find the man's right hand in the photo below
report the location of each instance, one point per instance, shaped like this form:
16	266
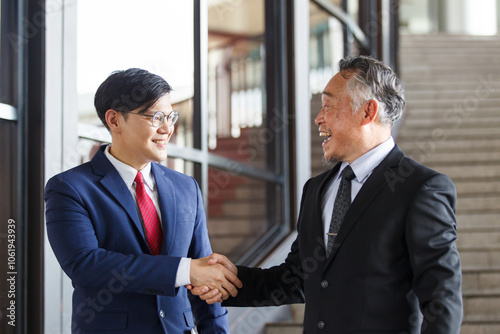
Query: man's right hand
215	272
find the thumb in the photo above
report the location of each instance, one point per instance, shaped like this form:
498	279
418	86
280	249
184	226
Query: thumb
213	259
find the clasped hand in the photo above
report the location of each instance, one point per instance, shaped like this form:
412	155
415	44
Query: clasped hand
214	278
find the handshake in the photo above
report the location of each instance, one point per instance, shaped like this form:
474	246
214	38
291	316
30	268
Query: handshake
214	278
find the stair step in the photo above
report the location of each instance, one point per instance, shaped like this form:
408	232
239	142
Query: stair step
462	122
284	327
478	221
444	134
451	125
462	158
479	259
478	319
483	100
469	188
478	239
481	281
483	327
430	146
479	171
485	305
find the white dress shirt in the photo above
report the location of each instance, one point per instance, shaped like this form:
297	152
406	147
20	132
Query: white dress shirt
128	174
362	168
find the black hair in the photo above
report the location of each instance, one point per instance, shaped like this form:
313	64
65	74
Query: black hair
128	90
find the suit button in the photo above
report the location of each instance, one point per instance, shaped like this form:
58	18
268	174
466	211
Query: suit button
321	324
324	284
162	313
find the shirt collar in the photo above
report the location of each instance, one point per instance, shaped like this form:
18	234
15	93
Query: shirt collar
364	165
128	172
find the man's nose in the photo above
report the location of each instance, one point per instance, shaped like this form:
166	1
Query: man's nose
165	127
319	118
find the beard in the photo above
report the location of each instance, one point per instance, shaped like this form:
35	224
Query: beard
329	161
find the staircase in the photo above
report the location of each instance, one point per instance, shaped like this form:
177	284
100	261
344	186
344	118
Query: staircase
452	124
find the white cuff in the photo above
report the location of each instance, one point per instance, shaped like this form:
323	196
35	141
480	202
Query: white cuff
183	272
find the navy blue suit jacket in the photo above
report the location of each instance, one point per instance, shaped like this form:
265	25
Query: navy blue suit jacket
97	236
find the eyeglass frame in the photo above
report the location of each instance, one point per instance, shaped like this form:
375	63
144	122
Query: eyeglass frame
174	114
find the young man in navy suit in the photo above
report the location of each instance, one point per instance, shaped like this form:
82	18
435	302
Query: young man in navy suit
131	233
375	251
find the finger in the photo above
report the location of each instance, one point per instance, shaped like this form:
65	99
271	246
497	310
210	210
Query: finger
213	259
230	290
214	300
218	258
232	278
225	293
199	290
212	295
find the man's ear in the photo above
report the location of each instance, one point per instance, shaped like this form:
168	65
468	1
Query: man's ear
370	111
111	117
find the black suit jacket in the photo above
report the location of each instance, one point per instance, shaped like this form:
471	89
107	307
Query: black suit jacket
394	267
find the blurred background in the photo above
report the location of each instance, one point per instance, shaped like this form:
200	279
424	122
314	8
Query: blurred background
247	78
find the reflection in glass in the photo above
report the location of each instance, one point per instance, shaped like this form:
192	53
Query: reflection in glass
120	34
236	74
326	49
240	211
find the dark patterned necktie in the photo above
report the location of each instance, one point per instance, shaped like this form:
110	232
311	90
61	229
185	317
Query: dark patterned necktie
342	203
154	234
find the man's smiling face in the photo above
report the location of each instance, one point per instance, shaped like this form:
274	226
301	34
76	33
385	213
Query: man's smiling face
338	122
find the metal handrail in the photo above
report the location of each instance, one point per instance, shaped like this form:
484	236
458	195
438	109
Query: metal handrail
8	112
346	19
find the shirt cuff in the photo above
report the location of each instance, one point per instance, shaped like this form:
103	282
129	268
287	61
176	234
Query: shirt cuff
183	272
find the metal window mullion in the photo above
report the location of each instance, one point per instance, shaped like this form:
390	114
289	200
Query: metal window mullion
200	122
8	112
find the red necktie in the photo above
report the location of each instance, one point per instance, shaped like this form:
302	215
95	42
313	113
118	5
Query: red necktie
154	234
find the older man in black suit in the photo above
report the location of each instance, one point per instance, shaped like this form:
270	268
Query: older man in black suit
375	251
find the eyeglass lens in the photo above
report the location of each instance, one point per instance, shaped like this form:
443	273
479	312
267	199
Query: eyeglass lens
159	117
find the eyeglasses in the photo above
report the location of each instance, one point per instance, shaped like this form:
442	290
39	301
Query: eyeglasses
159	117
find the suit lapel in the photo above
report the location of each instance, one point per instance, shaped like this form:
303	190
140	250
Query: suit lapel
114	184
369	191
167	202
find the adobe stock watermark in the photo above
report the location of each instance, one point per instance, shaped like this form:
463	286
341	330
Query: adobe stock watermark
451	120
252	148
454	118
36	23
11	272
91	306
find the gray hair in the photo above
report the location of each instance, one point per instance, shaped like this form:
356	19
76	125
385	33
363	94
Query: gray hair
371	79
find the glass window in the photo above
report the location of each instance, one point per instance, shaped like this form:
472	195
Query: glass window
326	49
9	41
244	136
241	210
245	190
160	40
236	105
